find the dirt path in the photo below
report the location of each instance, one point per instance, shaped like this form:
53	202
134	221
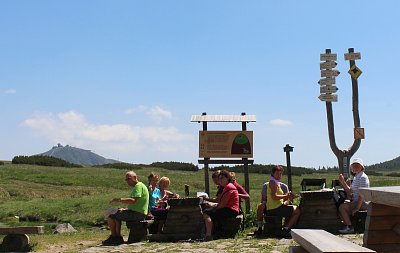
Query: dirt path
248	244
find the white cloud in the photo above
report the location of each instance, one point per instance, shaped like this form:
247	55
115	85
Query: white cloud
280	122
10	91
73	128
156	113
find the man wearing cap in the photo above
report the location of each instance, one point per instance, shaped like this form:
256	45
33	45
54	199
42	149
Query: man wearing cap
357	202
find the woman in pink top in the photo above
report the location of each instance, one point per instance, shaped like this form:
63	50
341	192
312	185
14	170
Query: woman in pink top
228	206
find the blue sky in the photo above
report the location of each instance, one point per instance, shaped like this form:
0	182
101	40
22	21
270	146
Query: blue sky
122	78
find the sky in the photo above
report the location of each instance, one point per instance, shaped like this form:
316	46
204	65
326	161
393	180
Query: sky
123	78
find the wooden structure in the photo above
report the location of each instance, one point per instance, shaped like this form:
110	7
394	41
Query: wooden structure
320	182
382	227
244	119
16	238
318	211
138	231
320	241
184	221
344	156
272	226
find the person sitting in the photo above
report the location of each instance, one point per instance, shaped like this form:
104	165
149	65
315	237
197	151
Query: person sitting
241	191
212	202
138	203
357	203
262	206
160	211
154	191
276	205
227	207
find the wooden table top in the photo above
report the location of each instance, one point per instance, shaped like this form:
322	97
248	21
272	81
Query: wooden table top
386	195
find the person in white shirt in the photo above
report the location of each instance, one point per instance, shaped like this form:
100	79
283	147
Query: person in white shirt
357	202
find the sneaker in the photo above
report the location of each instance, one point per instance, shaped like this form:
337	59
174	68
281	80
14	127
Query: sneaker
347	230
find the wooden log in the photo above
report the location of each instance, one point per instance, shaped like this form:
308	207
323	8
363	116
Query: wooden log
385	248
323	242
381	222
396	228
381	237
297	249
14	243
382	210
22	230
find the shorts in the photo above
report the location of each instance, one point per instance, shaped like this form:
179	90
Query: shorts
353	204
282	211
127	215
221	213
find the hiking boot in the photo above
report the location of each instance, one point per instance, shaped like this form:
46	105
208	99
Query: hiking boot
347	230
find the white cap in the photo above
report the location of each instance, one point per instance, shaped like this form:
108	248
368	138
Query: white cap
359	161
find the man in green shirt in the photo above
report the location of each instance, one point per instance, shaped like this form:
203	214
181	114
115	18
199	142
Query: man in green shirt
138	204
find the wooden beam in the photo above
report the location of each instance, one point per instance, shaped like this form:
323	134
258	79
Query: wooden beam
225	161
22	230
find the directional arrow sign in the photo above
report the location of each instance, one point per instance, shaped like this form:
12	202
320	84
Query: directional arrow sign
328	97
328	57
329	72
327	65
328	89
327	81
352	56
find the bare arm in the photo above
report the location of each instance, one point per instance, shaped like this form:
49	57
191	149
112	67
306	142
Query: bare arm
124	200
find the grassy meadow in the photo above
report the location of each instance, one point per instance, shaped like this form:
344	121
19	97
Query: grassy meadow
38	195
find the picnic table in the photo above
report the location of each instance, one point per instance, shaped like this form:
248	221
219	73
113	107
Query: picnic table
382	226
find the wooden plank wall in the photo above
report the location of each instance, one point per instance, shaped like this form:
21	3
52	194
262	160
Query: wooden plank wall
382	228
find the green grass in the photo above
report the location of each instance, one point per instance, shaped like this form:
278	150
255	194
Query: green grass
80	195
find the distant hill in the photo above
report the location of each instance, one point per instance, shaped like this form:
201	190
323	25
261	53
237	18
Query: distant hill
77	155
388	165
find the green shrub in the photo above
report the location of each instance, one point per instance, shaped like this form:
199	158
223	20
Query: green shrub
43	161
1	163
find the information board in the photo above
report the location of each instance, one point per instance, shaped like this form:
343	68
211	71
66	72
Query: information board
226	144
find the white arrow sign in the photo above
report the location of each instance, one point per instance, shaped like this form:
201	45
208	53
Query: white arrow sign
329	72
328	97
327	65
327	81
352	56
328	89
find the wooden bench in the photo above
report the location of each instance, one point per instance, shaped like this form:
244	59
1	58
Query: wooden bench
321	241
16	238
138	231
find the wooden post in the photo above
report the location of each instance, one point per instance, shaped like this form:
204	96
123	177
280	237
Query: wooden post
206	159
289	149
246	172
344	156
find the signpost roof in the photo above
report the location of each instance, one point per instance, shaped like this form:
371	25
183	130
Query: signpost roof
223	118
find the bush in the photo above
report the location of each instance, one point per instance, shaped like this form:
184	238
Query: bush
121	166
394	174
44	161
1	163
176	166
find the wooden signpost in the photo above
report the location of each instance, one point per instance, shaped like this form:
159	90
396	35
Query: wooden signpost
226	144
328	95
